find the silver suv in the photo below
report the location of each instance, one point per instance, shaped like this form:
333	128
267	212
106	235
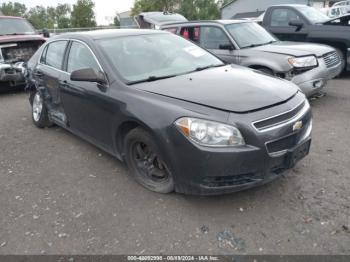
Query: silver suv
246	43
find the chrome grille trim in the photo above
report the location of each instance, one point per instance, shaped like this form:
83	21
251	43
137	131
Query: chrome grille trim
282	123
331	59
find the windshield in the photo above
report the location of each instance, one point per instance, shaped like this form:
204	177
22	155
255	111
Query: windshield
314	16
10	26
249	34
152	56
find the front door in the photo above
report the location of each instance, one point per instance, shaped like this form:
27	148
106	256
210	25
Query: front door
279	25
86	104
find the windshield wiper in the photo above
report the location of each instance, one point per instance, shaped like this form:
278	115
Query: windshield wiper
150	79
255	45
201	68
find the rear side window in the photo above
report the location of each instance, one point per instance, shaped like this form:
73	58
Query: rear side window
54	53
281	17
80	57
191	33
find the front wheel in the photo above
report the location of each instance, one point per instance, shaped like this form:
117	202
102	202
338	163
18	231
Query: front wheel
39	112
146	163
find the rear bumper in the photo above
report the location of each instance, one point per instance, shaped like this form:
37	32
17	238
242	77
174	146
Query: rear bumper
315	80
13	73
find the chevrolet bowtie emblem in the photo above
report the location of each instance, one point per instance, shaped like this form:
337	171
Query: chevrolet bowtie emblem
298	125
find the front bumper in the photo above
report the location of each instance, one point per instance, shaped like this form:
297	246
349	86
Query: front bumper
13	73
314	80
208	171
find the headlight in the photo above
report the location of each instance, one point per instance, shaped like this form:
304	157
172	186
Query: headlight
209	133
307	61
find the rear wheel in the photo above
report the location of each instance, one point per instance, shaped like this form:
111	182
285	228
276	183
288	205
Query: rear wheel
146	163
39	112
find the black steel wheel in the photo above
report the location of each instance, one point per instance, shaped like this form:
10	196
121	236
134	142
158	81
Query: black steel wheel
145	162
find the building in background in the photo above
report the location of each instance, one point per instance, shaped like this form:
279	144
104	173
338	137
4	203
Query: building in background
126	20
254	8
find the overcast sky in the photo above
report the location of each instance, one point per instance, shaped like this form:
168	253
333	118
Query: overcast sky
103	8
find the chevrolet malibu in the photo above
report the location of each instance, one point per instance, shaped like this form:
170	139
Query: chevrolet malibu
179	117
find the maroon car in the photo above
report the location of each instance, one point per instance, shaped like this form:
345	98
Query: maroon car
18	42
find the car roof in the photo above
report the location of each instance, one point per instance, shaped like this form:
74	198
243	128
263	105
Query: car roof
221	22
12	17
291	5
108	33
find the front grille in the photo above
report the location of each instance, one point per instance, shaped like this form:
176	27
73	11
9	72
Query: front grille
235	180
331	59
276	120
282	144
20	52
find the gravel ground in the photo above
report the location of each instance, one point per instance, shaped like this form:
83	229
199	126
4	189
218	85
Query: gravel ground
61	195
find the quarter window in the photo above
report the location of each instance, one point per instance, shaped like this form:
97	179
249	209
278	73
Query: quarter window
80	57
281	17
54	54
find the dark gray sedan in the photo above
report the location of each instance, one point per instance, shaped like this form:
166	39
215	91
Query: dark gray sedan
179	117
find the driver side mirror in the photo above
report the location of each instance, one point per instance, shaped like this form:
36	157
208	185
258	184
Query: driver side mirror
298	24
226	47
88	75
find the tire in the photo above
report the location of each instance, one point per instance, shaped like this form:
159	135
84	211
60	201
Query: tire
39	111
145	163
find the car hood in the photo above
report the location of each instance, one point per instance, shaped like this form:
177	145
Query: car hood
295	48
230	88
20	38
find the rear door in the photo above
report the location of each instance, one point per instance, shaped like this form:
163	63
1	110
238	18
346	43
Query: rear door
49	70
278	24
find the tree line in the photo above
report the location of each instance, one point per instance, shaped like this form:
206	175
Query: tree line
191	9
79	15
82	13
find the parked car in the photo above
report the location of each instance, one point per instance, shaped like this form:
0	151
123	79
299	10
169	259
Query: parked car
18	42
306	24
334	12
246	43
345	4
153	20
180	118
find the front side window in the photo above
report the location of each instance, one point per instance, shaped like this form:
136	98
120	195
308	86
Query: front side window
212	37
9	26
281	17
313	15
54	54
80	57
149	56
249	34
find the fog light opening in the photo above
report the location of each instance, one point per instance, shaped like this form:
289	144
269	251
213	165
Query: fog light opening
319	84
